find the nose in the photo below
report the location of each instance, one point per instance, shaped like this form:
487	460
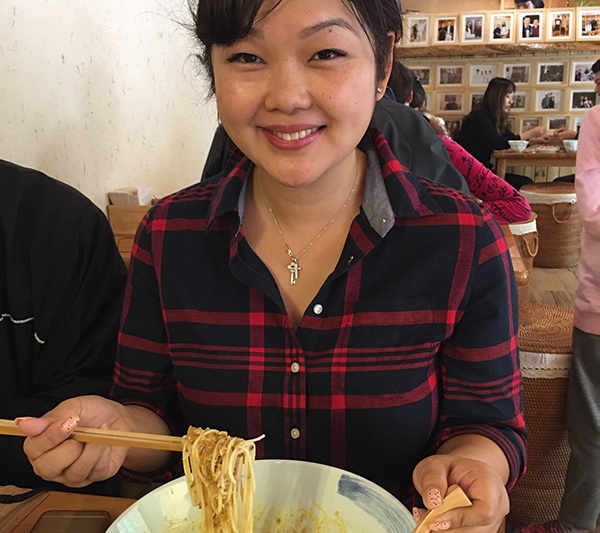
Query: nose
287	88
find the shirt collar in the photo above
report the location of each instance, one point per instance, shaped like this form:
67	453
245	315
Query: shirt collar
390	190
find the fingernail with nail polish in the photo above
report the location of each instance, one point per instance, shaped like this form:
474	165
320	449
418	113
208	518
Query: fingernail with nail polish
70	423
435	497
439	526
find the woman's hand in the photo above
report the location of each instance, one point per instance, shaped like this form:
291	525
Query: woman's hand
55	457
482	484
538	131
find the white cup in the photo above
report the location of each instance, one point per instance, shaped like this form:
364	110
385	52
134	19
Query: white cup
518	146
570	145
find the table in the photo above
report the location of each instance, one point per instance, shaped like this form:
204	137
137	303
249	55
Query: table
21	517
532	157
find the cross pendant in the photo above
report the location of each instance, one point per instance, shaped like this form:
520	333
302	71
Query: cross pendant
294	269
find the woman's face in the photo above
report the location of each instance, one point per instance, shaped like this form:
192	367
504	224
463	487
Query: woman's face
508	101
297	94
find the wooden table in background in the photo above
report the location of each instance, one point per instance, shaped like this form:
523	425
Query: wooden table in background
531	157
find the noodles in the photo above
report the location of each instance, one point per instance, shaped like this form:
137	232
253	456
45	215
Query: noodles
218	471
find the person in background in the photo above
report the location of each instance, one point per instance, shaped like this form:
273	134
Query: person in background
62	282
502	199
485	128
529	4
312	292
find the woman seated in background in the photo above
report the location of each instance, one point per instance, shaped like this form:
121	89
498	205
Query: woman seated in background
502	199
485	128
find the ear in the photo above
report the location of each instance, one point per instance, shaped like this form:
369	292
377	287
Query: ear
388	68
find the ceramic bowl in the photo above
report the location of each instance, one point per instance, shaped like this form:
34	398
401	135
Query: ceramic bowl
290	496
570	145
518	146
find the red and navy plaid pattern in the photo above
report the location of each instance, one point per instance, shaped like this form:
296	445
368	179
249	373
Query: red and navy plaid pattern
411	340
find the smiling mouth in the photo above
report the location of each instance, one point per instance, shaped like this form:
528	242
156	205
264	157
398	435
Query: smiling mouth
295	135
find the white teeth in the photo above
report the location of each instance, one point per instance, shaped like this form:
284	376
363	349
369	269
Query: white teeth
296	135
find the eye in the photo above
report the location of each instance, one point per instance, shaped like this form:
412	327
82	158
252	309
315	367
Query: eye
328	54
243	57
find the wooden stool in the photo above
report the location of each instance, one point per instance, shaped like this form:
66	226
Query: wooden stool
545	341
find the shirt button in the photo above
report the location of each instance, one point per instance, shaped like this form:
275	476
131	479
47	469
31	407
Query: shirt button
295	368
295	433
318	309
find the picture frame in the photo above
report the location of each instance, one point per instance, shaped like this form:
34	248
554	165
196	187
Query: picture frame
453	124
511	123
528	123
450	102
450	76
501	27
588	24
423	74
521	101
519	73
481	74
555	123
552	73
472	28
581	99
576	121
548	100
475	99
530	26
581	72
560	24
417	30
444	30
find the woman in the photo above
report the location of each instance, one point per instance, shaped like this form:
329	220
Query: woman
504	201
297	295
485	128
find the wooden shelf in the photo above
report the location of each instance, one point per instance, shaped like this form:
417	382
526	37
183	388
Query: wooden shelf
493	49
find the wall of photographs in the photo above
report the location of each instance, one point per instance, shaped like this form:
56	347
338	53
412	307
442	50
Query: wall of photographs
553	90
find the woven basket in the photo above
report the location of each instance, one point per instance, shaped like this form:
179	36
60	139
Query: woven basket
558	224
545	340
526	237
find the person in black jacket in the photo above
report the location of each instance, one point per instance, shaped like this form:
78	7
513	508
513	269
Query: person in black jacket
485	128
62	281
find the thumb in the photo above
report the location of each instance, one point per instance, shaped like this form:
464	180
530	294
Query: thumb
32	426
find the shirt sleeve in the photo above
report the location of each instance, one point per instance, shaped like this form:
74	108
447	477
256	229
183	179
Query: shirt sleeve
481	358
587	173
502	199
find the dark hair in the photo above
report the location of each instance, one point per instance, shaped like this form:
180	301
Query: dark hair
401	82
596	67
222	22
419	99
493	100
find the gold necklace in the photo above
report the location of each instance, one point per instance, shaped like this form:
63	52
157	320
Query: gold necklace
294	267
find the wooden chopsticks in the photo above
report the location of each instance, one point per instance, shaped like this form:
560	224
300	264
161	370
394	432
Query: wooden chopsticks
109	437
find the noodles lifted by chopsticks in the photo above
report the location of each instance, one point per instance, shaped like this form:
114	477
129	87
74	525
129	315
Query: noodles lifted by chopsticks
219	474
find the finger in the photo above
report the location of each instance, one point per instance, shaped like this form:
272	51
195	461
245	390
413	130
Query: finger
32	426
53	435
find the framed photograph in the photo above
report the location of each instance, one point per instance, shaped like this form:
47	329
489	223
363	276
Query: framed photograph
444	30
548	100
588	24
576	122
557	122
482	74
511	123
581	72
501	27
528	123
472	28
417	30
581	99
518	73
521	101
552	73
530	26
423	74
476	99
448	102
560	25
450	75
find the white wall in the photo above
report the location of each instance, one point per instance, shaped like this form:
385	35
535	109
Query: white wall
103	94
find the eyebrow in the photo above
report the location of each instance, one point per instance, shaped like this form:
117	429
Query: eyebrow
315	28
